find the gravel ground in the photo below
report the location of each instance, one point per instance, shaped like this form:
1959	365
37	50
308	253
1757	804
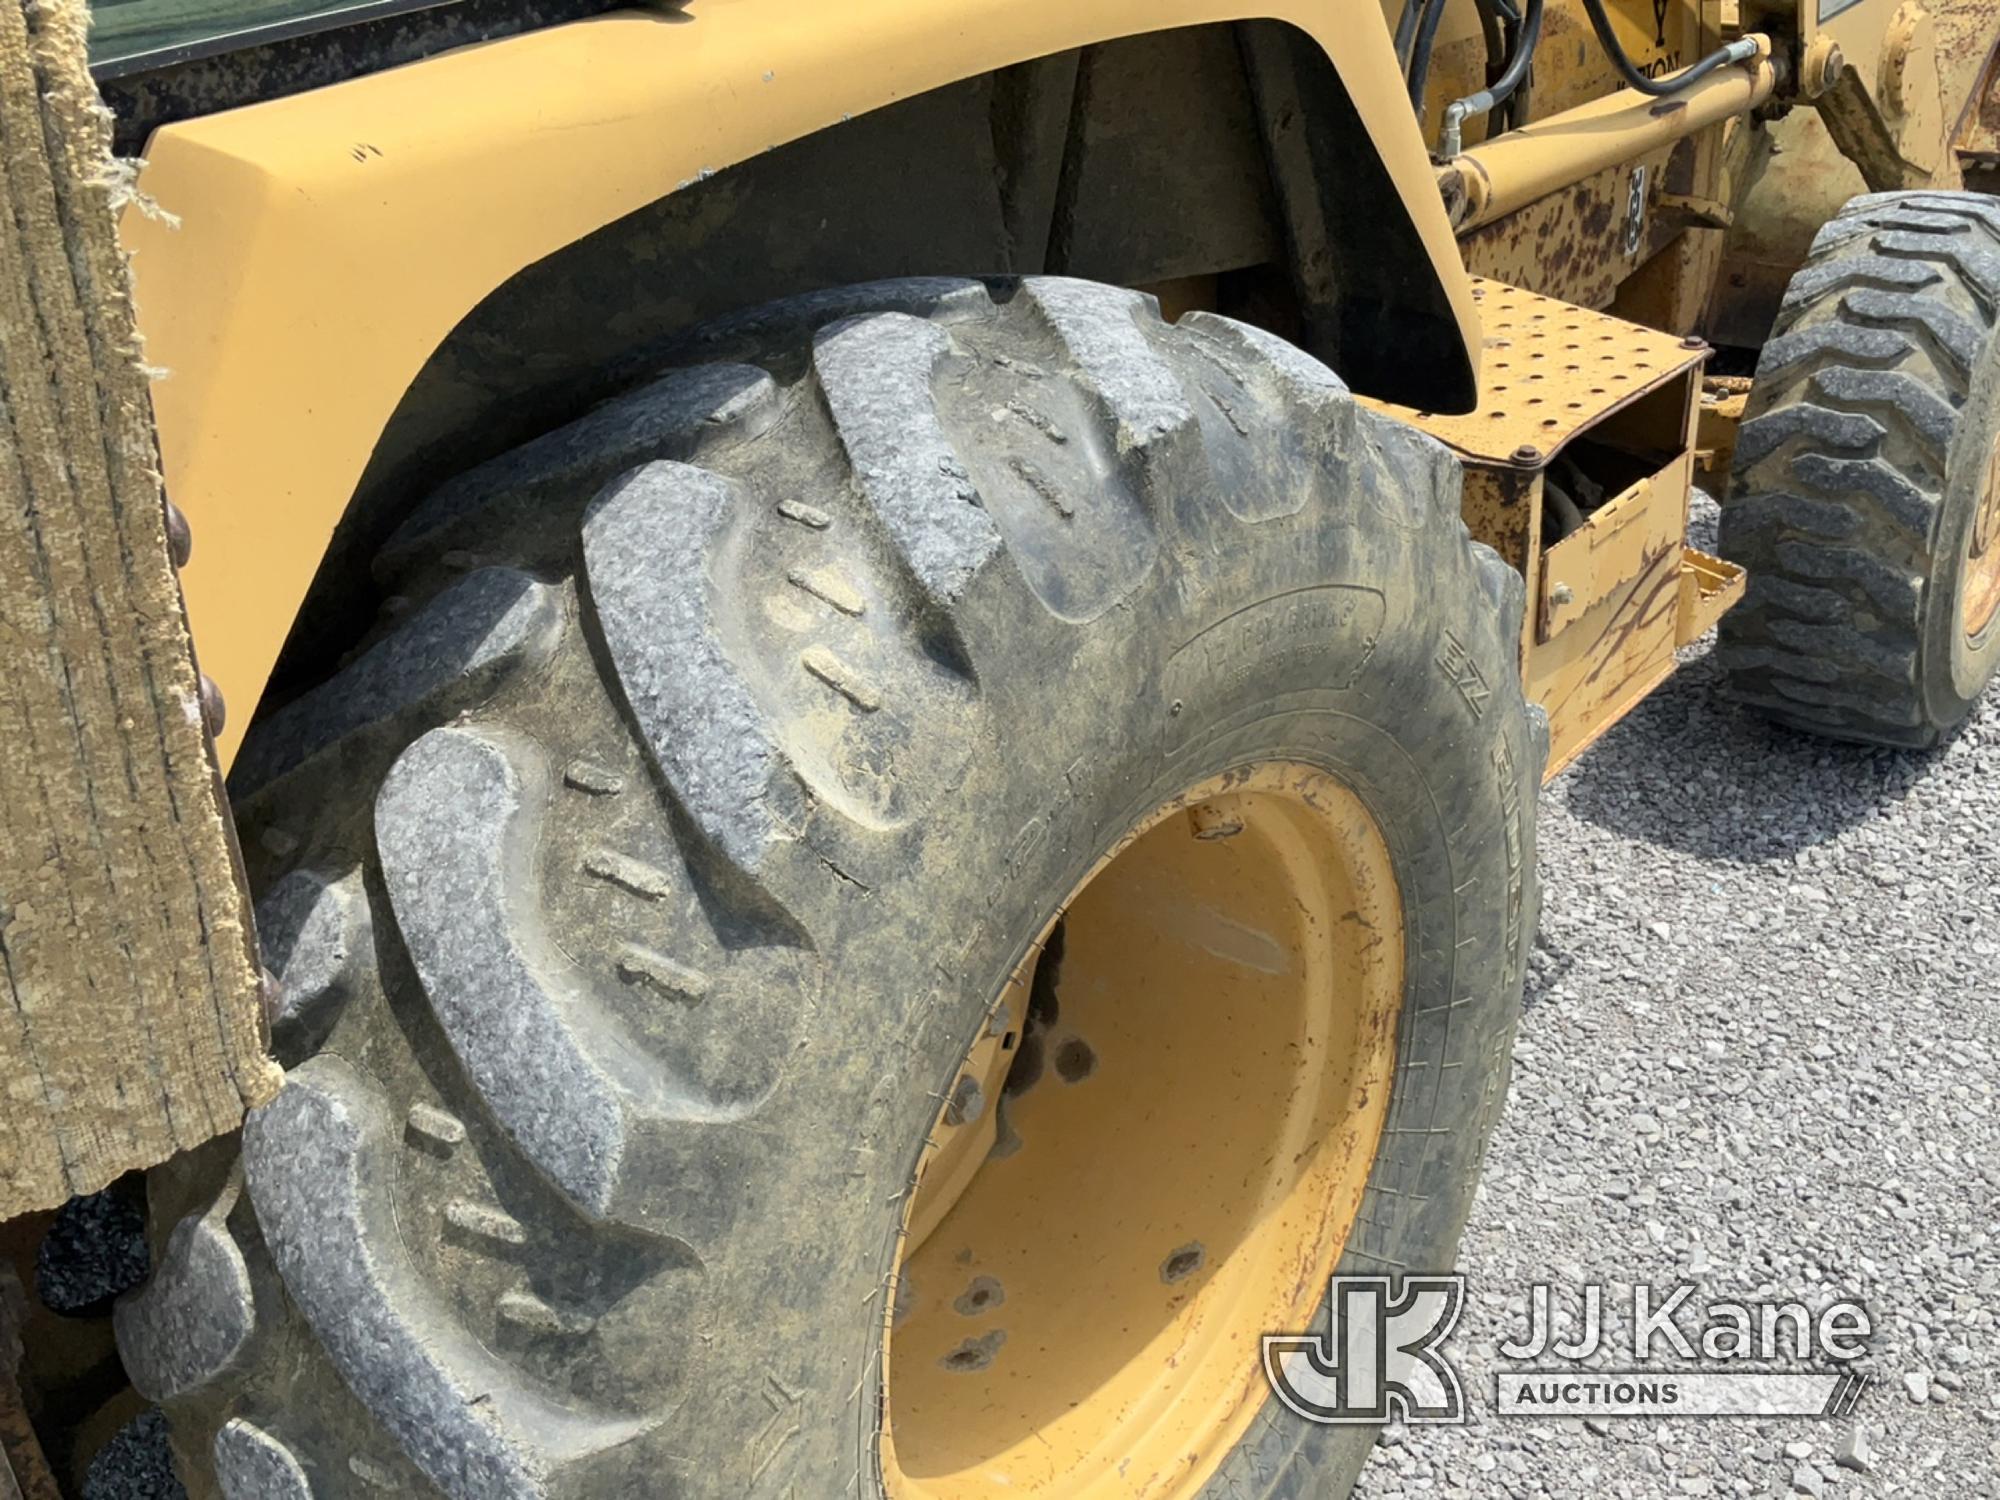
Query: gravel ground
95	1250
135	1464
1757	1056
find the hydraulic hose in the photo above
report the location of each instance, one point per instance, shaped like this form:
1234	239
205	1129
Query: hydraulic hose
1459	111
1738	51
1492	30
1406	32
1420	54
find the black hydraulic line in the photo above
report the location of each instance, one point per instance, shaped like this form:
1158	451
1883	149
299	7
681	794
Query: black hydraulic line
1515	113
1406	33
1495	93
1420	54
1492	29
1658	88
1519	102
1524	53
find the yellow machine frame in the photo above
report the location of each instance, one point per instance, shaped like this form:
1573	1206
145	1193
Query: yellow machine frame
300	259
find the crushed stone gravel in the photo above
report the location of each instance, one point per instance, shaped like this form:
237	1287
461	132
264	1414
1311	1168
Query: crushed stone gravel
135	1464
95	1249
1757	1055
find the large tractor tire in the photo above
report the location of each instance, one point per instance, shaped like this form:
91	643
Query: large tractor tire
891	901
1864	499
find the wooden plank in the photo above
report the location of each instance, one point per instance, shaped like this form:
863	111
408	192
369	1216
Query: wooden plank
130	1018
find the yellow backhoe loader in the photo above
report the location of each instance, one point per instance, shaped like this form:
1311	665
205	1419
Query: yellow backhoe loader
886	668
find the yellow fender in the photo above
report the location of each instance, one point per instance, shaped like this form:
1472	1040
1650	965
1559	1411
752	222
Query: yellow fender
308	254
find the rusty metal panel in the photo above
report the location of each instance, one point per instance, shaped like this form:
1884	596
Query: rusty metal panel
1723	398
1689	223
1671	290
1577	244
1590	675
1503	509
1549	371
1611	599
1618	544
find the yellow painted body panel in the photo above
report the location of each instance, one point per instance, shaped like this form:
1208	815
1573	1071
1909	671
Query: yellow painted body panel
327	243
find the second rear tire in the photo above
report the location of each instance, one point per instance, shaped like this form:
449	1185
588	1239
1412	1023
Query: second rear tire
1865	496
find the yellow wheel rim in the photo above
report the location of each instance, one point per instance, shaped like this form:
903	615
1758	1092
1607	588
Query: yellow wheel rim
1153	1156
1982	577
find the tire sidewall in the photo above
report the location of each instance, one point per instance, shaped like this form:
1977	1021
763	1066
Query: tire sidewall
1448	775
1959	666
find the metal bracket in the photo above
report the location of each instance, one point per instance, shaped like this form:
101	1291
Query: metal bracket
1690	211
1864	137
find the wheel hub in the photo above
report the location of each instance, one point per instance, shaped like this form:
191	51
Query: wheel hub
1152	1156
1982	578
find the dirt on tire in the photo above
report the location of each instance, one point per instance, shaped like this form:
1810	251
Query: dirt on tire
639	885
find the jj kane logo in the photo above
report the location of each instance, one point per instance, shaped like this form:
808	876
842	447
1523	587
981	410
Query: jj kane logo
1379	1359
1382	1356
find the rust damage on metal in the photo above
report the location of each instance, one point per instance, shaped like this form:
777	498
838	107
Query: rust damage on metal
975	1353
1723	398
1549	371
983	1295
1568	245
1579	461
